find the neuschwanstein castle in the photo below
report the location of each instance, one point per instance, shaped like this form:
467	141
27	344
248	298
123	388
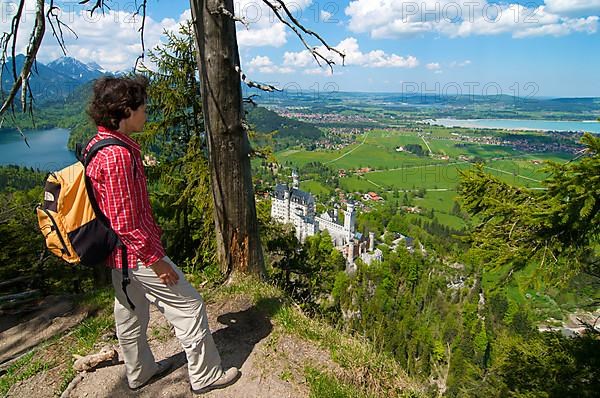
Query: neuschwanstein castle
291	205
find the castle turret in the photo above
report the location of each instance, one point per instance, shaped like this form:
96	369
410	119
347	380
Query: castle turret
371	241
295	180
349	220
350	252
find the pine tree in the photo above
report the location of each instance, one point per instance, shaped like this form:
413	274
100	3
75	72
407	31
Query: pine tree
175	135
558	227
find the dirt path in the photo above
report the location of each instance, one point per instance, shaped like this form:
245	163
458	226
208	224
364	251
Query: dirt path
272	363
55	316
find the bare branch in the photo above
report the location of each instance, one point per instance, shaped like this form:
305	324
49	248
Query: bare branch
222	10
15	30
590	327
53	19
308	31
141	7
250	83
32	49
6	39
250	100
23	135
313	51
100	4
295	24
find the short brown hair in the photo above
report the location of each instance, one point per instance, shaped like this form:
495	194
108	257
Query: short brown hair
112	96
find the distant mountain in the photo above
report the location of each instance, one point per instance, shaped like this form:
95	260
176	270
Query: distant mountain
97	67
76	69
55	80
429	105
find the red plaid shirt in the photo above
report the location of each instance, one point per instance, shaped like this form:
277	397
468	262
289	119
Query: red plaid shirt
123	198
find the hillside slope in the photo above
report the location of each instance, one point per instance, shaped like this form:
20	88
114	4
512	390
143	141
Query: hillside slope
280	351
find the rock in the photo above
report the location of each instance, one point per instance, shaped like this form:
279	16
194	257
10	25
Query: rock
107	354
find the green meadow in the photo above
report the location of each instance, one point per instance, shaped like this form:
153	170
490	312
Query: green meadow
393	171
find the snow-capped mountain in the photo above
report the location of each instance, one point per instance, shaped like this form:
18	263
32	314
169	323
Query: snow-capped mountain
76	69
97	67
55	80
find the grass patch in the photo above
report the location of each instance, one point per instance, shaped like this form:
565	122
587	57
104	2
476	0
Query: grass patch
85	336
315	187
161	333
323	385
367	370
22	369
79	340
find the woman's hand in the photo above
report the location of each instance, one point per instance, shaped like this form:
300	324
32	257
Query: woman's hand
165	272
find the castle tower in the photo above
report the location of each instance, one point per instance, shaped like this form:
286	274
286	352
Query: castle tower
286	199
295	180
349	220
371	241
350	252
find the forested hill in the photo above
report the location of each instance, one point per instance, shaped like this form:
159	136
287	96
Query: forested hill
280	131
65	112
69	112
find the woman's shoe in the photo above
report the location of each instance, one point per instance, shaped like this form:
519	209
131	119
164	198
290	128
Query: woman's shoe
163	369
229	377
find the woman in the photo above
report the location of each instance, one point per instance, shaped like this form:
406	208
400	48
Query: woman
117	176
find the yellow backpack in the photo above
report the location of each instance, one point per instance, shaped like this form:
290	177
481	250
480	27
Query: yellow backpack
74	227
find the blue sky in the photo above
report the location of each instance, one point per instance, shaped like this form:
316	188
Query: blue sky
542	48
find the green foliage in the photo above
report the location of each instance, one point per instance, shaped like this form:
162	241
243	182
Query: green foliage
547	365
391	302
417	149
309	271
323	385
24	253
558	227
179	179
22	369
14	178
270	129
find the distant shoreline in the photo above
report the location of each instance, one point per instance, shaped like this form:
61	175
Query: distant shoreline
527	124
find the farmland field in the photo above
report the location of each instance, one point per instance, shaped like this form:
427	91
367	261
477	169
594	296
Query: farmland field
437	171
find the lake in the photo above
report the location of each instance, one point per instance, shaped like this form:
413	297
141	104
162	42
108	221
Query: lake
48	149
514	124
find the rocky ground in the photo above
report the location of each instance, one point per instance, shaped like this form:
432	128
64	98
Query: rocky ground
272	362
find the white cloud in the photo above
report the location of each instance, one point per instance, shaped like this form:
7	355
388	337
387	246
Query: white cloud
460	64
571	7
433	66
259	62
265	65
353	57
588	25
325	15
319	71
111	39
298	59
264	29
274	35
399	18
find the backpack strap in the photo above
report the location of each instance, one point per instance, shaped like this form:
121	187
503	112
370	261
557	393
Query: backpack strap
126	280
86	158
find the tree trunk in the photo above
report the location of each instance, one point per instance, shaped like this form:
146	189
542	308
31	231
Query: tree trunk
238	241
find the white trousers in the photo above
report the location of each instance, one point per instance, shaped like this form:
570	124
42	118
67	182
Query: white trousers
183	307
